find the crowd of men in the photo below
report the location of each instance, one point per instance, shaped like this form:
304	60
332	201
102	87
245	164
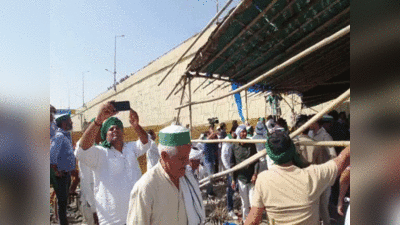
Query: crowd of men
292	183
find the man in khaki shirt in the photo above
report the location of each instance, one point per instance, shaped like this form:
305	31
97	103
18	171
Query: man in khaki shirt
289	194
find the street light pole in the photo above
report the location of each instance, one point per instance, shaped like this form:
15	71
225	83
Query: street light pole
115	62
83	89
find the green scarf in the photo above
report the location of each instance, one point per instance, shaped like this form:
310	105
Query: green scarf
104	128
284	152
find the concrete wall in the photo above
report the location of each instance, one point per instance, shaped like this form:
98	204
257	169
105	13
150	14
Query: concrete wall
148	99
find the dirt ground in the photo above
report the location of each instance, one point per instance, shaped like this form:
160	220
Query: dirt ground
215	207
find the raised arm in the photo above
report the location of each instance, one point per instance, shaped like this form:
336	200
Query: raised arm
343	160
107	110
344	186
134	120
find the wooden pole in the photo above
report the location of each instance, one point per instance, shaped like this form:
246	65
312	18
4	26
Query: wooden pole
247	108
282	66
199	86
197	38
319	115
182	96
190	107
260	154
256	141
176	85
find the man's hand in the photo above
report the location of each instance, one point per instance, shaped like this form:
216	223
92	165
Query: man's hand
133	118
233	185
340	208
57	173
106	111
254	178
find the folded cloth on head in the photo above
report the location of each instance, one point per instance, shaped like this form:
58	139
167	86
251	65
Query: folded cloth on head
239	129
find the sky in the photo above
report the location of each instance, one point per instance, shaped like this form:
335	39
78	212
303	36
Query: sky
82	39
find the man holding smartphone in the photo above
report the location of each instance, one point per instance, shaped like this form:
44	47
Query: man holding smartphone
114	163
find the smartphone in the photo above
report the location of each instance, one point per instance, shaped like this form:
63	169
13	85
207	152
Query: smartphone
122	106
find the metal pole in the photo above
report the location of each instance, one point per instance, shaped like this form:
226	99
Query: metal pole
115	64
115	61
83	89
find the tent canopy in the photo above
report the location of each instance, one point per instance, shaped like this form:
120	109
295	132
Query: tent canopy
258	35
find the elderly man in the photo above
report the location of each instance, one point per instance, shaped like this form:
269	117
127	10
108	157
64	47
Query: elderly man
168	193
114	163
247	176
62	161
288	193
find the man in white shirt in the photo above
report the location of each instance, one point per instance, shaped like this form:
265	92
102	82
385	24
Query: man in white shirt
226	158
320	134
152	155
168	193
270	123
114	163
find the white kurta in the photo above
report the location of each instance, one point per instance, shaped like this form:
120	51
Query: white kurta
152	156
115	174
156	200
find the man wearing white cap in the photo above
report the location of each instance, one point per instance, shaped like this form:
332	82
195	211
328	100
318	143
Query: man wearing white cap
114	162
168	193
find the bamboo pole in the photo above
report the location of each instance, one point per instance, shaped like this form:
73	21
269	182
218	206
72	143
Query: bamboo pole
190	107
256	141
182	96
260	154
282	66
197	38
199	86
247	108
319	115
176	85
209	84
216	88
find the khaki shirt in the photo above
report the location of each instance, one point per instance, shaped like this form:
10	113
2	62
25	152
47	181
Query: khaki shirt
290	195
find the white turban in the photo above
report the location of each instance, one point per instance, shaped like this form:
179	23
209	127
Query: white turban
195	154
239	129
260	128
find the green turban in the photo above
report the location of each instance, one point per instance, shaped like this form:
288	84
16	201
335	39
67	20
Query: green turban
281	149
106	126
62	117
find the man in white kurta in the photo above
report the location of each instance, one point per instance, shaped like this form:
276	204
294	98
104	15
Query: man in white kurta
152	154
168	193
114	164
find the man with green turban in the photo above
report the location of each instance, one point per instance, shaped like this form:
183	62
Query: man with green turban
288	193
114	162
168	193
